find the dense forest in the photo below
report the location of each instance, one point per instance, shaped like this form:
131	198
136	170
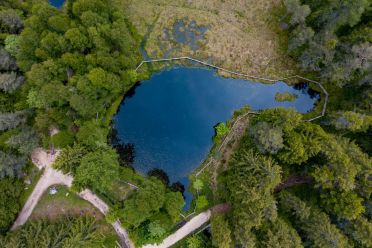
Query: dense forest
289	182
292	183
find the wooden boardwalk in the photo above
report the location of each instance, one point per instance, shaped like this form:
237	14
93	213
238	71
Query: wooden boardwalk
272	80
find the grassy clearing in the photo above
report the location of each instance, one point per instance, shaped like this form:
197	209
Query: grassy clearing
64	202
285	97
242	35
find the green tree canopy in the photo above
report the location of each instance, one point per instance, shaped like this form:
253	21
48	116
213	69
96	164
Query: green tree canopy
98	170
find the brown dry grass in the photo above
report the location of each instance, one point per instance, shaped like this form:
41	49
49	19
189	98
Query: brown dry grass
243	35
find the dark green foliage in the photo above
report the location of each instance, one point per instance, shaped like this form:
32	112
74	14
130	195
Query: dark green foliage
360	230
25	141
329	37
75	62
79	232
10	22
10	191
319	230
250	182
11	165
7	62
11	120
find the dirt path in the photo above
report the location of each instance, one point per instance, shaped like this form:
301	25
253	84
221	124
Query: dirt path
50	177
103	208
191	226
185	230
44	160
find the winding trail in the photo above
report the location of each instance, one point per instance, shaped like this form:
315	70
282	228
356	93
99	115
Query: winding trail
44	160
191	226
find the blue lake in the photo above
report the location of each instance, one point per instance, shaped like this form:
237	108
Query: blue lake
57	3
170	117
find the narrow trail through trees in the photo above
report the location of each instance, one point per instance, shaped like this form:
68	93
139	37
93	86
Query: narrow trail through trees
44	160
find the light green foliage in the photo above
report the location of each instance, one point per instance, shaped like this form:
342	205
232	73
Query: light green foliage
112	215
98	170
342	165
288	119
34	100
194	241
221	233
156	230
198	184
91	135
302	143
267	139
77	39
62	139
352	121
319	230
201	202
10	191
12	44
285	97
221	131
173	203
343	204
69	159
143	203
280	234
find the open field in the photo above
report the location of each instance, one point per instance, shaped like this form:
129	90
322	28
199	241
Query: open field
241	35
61	204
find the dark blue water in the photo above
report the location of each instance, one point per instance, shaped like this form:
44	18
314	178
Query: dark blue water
57	3
170	117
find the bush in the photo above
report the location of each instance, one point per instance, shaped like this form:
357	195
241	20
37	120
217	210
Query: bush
201	202
62	139
221	130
